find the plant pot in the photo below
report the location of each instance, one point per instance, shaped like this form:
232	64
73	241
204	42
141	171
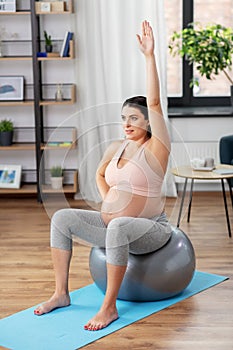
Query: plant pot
48	48
6	138
56	183
232	95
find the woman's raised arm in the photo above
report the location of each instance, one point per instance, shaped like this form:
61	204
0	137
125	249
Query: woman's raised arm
160	144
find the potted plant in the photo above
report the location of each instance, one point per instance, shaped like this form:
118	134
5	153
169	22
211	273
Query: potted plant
56	177
6	132
48	42
210	48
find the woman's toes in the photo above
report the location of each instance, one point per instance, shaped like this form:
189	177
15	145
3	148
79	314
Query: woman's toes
37	311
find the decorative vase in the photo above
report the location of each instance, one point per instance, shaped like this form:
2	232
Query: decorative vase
56	183
59	94
6	138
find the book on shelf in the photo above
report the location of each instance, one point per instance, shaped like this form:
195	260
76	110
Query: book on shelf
59	144
66	44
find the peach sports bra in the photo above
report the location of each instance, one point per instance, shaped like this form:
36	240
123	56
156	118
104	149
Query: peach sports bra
136	176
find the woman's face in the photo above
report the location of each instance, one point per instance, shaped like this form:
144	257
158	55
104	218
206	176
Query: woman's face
134	123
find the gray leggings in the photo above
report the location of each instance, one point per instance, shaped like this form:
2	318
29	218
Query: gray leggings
121	236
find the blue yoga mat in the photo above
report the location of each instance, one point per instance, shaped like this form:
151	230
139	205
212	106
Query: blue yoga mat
63	329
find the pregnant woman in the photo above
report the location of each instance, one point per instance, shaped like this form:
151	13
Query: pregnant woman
129	179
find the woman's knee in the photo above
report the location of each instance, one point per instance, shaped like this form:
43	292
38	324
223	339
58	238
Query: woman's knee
116	235
60	235
60	217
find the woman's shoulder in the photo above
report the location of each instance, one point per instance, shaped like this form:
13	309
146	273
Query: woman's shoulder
115	145
113	148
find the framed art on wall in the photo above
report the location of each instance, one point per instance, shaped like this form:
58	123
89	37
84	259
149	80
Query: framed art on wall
7	5
11	88
10	176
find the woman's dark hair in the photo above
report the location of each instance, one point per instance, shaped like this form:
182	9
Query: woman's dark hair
140	103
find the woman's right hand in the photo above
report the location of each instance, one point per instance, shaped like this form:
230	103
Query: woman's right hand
146	40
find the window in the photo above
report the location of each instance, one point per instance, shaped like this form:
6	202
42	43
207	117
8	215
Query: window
179	72
174	64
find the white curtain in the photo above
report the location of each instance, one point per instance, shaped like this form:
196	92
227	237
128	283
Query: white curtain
110	68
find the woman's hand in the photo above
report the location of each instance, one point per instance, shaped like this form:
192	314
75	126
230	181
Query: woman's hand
146	41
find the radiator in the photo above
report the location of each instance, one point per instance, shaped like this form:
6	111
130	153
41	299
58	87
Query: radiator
183	152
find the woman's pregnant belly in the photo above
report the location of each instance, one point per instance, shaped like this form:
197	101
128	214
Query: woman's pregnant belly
120	203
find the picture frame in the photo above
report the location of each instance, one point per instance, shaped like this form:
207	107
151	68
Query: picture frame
10	176
7	5
11	88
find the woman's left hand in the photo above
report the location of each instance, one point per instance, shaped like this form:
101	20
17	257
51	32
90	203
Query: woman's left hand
146	40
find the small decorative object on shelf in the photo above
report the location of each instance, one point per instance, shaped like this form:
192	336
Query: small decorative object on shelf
48	42
7	5
59	93
56	177
45	7
6	132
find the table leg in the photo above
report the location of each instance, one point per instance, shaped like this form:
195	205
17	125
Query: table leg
190	200
182	202
230	189
226	209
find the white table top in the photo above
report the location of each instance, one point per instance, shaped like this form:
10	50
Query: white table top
188	172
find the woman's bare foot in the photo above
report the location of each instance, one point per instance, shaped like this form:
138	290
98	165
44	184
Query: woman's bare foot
102	319
53	303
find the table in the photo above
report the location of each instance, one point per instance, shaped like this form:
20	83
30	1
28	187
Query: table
188	173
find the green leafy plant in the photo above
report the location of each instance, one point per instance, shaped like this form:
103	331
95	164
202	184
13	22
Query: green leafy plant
48	40
6	125
210	48
56	171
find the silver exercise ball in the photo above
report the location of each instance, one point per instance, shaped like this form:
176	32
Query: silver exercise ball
154	276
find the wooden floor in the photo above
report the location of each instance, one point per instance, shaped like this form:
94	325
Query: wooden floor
204	321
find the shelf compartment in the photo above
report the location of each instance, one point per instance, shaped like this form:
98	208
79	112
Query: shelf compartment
24	189
29	176
16	58
49	91
54	142
68	9
67	188
16	103
28	98
55	137
18	147
18	12
16	49
59	58
31	188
